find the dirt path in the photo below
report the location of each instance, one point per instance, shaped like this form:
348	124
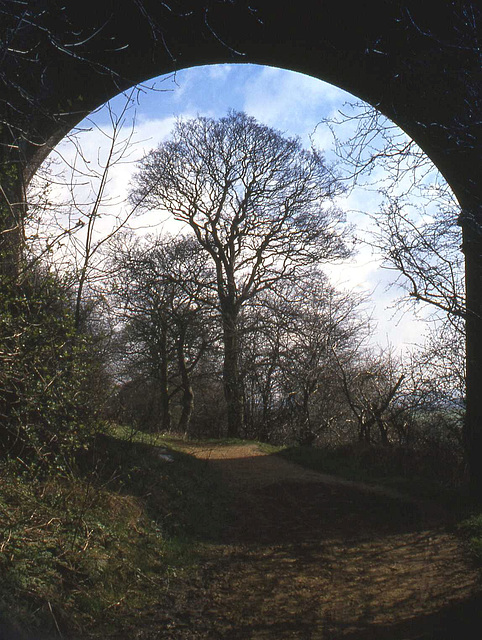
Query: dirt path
313	557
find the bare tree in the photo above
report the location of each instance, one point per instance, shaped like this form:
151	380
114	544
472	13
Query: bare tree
162	290
289	372
423	248
418	234
371	388
416	227
258	204
323	320
72	212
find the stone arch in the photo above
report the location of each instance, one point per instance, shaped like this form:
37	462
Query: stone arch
421	70
389	54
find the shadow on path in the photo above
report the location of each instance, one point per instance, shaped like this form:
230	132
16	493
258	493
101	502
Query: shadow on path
310	557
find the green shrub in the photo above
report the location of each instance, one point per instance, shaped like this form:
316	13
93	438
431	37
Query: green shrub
472	529
48	375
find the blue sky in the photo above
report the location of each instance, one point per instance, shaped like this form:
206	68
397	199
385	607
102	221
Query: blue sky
290	102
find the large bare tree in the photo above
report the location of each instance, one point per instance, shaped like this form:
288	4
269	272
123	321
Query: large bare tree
260	206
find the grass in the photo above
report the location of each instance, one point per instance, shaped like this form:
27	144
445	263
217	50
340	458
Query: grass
471	529
83	556
417	475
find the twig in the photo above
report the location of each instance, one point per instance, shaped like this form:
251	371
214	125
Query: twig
55	620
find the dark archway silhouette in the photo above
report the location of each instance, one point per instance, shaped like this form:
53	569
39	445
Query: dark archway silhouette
423	70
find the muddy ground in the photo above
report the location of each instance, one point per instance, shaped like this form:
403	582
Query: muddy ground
313	557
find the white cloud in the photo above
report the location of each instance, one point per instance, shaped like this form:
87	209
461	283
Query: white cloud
288	100
219	71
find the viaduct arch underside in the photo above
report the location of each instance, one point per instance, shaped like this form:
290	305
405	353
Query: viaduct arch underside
422	70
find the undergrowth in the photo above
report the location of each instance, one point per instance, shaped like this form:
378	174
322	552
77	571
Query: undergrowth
471	528
419	474
82	555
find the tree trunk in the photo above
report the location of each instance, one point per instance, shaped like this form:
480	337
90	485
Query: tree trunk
382	427
187	401
165	411
472	247
365	429
231	376
264	429
306	436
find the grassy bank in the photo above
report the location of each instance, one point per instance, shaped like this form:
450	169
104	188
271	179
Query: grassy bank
83	555
419	474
